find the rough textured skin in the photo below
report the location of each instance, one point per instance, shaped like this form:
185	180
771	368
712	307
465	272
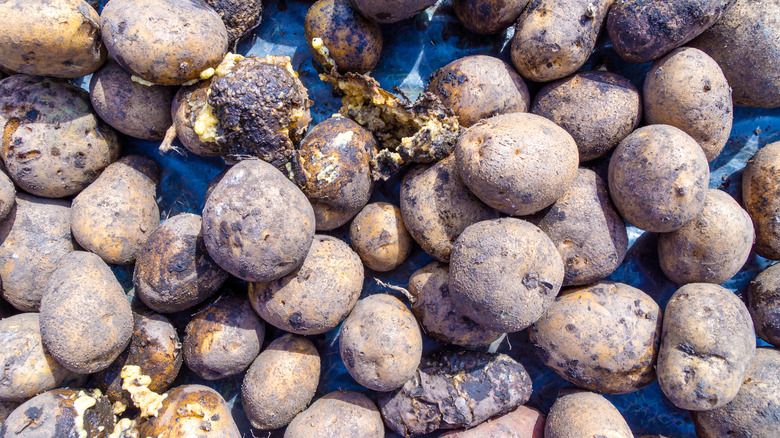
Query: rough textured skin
7	407
687	89
555	38
746	45
50	38
53	143
115	215
52	414
186	107
336	160
761	198
602	337
192	411
658	178
380	343
240	17
184	38
7	195
353	42
36	236
281	382
587	230
755	412
379	237
523	422
317	296
338	414
83	300
257	224
585	414
707	344
173	270
223	339
155	348
129	107
455	389
478	87
763	302
504	273
390	11
517	163
598	108
28	368
488	16
711	248
435	310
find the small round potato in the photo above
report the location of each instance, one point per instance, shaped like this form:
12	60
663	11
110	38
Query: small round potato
390	11
338	414
240	17
523	422
763	301
191	411
585	414
379	237
488	16
187	106
761	198
7	195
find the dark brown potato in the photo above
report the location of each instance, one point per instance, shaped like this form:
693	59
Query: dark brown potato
585	414
488	16
763	302
761	198
173	270
7	195
192	411
390	11
478	87
523	422
187	106
240	17
379	236
338	414
455	389
598	108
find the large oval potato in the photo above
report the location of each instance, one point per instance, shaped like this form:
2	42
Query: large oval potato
585	414
761	198
763	301
338	414
191	411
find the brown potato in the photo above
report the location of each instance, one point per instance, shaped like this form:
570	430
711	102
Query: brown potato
5	410
7	195
523	422
186	107
488	16
390	11
761	198
581	414
240	17
707	344
192	411
338	414
115	215
763	302
658	178
713	247
379	236
281	382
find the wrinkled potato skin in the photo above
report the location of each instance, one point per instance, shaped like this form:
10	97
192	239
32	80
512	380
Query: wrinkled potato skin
380	343
53	143
338	414
555	38
239	16
390	11
479	87
598	109
281	382
658	178
7	195
582	414
186	107
115	215
179	415
83	300
523	422
379	237
707	344
763	301
173	270
761	198
58	38
36	236
687	89
711	248
488	16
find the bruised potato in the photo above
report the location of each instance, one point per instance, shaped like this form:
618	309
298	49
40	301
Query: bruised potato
379	237
338	414
760	196
581	414
191	411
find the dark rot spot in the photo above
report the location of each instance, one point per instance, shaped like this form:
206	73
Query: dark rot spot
296	320
32	115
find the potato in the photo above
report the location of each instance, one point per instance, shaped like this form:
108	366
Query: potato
478	87
379	237
223	339
598	108
187	106
184	39
504	274
240	17
335	32
390	11
581	414
763	302
761	198
455	389
380	343
707	344
602	337
554	38
488	16
115	215
191	411
517	163
129	107
753	413
523	422
53	144
658	178
338	414
257	224
687	89
84	301
58	38
713	247
5	410
7	195
335	158
281	382
173	270
316	297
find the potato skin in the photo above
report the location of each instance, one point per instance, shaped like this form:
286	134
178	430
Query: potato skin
713	247
658	178
239	16
761	198
338	414
390	11
583	413
763	302
379	237
186	107
687	89
59	38
281	382
380	343
707	344
7	195
488	16
523	422
192	411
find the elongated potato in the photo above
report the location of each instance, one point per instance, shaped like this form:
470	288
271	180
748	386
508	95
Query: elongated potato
581	414
338	414
761	198
763	301
191	411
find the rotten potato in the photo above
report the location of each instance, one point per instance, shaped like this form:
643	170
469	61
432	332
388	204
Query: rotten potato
185	110
379	236
338	414
191	411
761	198
240	17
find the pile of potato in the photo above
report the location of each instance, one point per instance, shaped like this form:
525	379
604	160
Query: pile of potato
523	222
